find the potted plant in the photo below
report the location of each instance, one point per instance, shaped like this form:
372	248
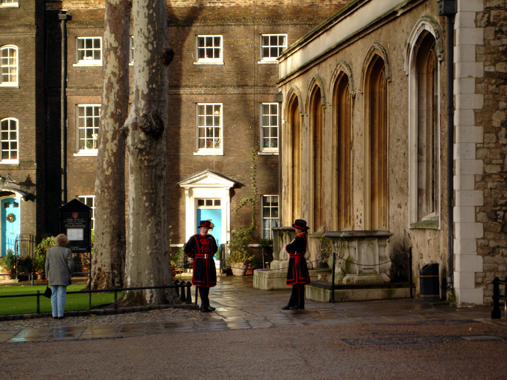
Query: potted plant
9	262
239	252
41	250
25	267
176	261
86	258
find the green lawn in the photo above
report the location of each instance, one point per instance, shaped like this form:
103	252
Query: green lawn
26	305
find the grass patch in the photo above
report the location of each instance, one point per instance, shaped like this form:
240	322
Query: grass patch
28	305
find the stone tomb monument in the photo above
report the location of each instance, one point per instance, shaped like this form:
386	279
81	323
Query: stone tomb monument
360	256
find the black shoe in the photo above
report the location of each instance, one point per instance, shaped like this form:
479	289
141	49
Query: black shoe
287	307
211	308
204	309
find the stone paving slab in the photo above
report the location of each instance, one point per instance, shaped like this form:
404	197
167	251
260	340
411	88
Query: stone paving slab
240	307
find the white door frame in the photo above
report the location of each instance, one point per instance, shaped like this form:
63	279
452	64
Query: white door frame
207	185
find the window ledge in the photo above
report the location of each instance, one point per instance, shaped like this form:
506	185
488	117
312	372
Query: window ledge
9	162
267	62
209	153
86	153
9	5
12	85
426	224
87	64
209	63
267	153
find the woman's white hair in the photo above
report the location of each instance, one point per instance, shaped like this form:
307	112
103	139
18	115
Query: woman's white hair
62	240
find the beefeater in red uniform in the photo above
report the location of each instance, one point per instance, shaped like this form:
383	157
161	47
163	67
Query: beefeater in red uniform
201	247
297	275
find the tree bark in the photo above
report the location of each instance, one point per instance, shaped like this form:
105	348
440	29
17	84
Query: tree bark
148	258
109	247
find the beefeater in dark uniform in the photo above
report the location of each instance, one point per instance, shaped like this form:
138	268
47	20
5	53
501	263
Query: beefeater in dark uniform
201	247
297	275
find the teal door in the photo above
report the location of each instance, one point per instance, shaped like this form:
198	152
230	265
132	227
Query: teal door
215	216
10	224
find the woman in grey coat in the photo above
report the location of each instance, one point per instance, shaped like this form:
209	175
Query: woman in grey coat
59	268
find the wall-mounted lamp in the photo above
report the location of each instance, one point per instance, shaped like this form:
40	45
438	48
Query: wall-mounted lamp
27	185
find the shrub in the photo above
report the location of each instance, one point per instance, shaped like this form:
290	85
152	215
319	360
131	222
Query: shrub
238	246
41	251
9	260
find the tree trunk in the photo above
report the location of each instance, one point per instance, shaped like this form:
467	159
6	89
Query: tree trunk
109	247
148	259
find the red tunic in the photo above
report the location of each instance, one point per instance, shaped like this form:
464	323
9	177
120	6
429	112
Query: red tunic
298	271
201	249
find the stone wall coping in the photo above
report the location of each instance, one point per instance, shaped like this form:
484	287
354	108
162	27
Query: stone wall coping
288	228
359	234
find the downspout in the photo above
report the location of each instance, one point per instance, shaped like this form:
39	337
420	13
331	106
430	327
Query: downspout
64	17
46	119
448	8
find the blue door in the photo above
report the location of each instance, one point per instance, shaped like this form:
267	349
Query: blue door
10	224
215	216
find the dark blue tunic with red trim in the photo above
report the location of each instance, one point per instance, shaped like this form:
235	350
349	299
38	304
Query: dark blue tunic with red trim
298	271
201	249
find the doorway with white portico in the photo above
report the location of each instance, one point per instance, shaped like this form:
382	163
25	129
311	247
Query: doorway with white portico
208	197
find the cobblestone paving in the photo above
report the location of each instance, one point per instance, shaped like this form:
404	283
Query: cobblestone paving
239	306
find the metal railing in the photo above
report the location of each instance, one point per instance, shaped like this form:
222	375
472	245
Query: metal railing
496	314
182	290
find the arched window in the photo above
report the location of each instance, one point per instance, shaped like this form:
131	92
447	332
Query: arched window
316	119
427	121
342	106
9	65
295	180
376	146
9	140
423	56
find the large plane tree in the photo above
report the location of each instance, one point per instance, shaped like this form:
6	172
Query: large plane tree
147	261
109	246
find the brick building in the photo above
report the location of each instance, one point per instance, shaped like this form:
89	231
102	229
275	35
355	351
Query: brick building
223	112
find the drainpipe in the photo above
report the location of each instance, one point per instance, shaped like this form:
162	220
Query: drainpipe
64	17
448	8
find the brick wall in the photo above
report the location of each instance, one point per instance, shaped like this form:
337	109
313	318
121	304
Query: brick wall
22	28
492	247
241	84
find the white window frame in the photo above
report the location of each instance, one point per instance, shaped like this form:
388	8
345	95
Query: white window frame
9	67
9	4
88	61
93	150
131	50
263	218
208	203
266	127
199	120
270	59
220	47
9	141
86	197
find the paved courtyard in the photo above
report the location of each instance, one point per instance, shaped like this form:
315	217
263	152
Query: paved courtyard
238	307
249	337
